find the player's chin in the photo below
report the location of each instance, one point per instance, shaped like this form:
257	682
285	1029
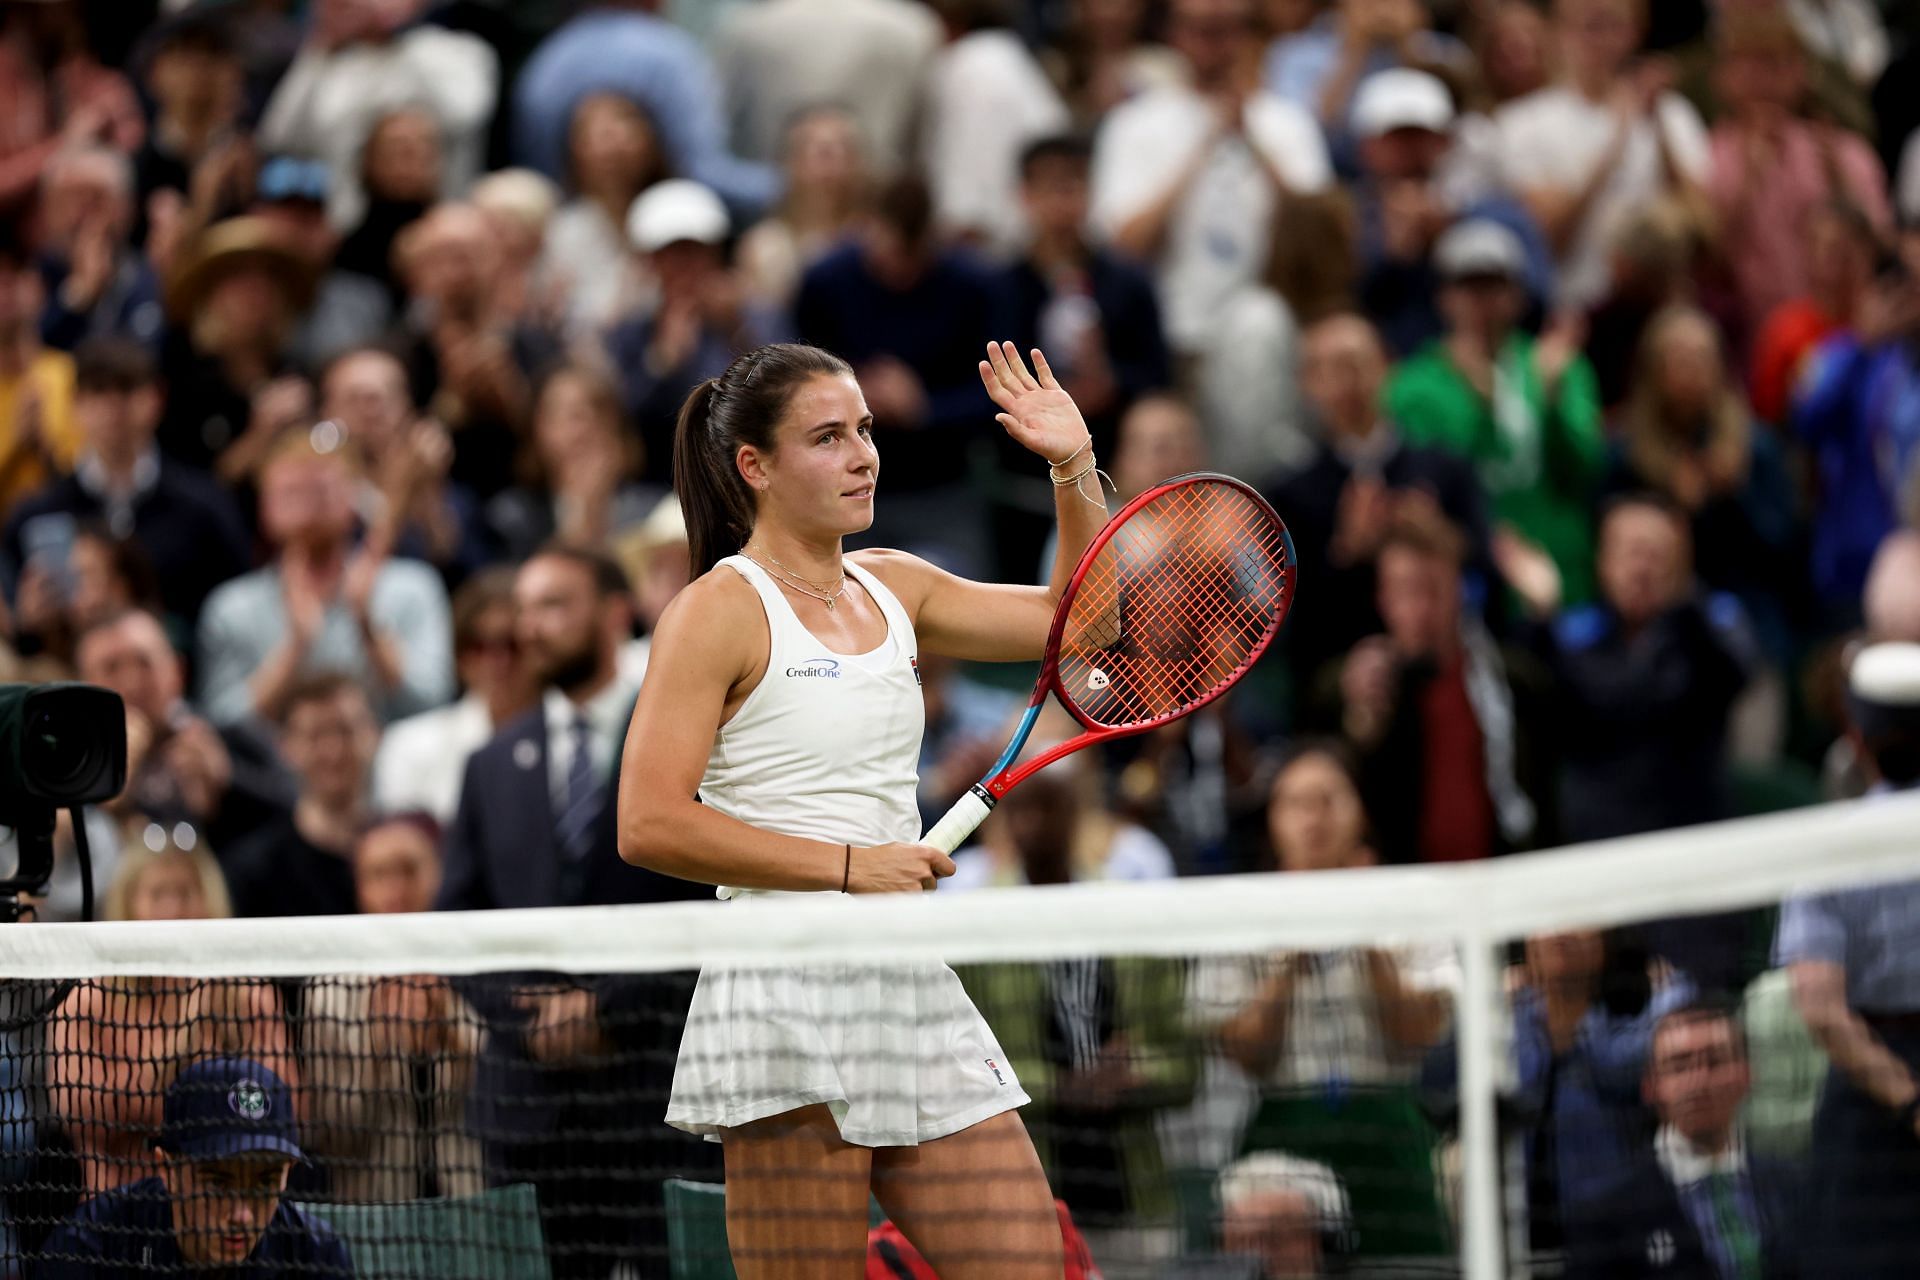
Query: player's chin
856	509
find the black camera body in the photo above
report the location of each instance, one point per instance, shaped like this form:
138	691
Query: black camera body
61	746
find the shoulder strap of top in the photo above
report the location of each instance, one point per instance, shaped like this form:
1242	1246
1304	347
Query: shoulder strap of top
898	624
780	616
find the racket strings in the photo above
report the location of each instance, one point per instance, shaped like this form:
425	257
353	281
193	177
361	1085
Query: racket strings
1181	598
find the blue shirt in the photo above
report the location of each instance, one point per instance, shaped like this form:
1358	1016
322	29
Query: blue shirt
655	64
1870	932
1858	410
129	1232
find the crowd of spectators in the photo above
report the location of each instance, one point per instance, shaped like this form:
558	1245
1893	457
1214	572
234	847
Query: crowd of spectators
1577	342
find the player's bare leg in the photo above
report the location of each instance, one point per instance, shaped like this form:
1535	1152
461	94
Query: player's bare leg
975	1204
796	1199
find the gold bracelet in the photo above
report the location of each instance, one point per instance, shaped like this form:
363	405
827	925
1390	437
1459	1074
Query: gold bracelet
1084	446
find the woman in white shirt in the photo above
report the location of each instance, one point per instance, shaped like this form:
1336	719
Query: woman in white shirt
773	751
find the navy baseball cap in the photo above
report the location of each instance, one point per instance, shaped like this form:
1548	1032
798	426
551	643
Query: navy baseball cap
225	1106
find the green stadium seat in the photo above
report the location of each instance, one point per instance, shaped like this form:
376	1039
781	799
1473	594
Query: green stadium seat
492	1236
697	1231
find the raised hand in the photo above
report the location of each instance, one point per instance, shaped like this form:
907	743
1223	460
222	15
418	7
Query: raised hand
1033	407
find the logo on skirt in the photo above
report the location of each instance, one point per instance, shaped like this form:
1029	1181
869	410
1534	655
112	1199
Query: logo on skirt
997	1077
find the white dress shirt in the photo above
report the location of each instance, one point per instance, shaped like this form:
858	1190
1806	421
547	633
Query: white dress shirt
423	759
607	713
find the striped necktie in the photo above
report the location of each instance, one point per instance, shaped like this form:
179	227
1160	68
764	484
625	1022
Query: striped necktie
585	794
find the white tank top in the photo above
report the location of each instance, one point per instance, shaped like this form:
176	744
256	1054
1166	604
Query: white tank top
827	746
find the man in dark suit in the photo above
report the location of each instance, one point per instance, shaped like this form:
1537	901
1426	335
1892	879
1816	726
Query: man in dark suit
1701	1207
571	1087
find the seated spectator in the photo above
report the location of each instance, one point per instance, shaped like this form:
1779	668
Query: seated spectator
167	882
1772	166
215	1203
1609	137
426	515
614	153
389	1060
1093	313
1189	178
359	63
699	321
423	757
1584	1011
300	863
235	297
1853	414
828	175
910	316
1658	261
1450	728
625	47
471	356
1058	832
116	1042
1410	145
102	577
1688	435
781	57
1843	250
322	604
1321	68
98	285
1103	56
60	95
986	100
579	470
225	783
1281	1218
184	523
1333	1039
1524	412
400	175
39	435
1701	1203
521	205
1340	503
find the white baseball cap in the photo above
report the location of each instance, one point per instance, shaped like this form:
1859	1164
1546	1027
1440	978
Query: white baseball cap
1480	247
1401	98
675	210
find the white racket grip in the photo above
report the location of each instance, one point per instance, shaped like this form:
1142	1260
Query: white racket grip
968	812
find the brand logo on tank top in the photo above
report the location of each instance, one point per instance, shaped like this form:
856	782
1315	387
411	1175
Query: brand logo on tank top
816	669
997	1077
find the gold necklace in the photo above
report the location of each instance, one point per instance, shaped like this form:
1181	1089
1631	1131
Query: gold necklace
788	578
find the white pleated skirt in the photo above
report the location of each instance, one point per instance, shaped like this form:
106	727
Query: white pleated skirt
897	1053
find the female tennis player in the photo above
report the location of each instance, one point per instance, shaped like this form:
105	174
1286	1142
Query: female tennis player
773	751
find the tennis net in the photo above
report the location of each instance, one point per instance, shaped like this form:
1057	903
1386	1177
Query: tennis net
1472	1070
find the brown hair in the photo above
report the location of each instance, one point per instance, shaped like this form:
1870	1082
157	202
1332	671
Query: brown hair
490	588
1313	262
322	686
740	407
1652	445
1426	534
597	383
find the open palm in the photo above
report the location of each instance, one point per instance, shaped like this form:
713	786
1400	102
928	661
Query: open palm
1033	408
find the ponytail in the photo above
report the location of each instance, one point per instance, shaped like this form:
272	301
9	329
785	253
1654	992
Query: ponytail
741	406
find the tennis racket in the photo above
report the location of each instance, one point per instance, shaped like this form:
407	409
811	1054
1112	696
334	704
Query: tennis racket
1170	605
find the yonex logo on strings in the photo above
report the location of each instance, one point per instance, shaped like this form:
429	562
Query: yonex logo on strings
816	669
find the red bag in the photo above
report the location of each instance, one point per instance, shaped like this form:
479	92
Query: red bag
891	1257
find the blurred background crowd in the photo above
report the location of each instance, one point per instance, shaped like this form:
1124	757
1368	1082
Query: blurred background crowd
1577	342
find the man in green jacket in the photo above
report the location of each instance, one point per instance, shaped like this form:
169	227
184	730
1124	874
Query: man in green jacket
1526	412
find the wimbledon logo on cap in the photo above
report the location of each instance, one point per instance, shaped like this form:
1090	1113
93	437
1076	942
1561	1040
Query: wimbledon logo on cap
248	1100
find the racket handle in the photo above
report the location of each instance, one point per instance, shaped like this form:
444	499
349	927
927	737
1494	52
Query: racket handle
968	812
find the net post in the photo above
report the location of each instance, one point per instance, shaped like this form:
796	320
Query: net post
1480	1217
